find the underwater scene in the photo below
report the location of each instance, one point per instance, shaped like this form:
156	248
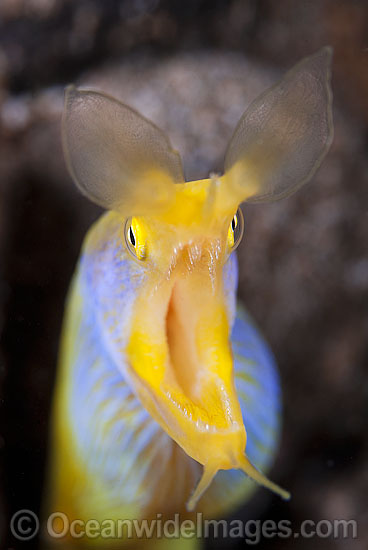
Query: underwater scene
183	274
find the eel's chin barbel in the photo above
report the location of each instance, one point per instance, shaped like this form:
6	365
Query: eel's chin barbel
244	464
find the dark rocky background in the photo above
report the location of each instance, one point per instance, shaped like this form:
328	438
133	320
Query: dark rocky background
192	66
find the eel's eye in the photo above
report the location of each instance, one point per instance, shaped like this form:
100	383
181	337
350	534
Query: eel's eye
235	231
136	238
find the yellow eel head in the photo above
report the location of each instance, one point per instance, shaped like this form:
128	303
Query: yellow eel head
181	235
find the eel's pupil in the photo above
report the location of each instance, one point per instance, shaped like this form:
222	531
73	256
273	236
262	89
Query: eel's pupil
131	236
233	224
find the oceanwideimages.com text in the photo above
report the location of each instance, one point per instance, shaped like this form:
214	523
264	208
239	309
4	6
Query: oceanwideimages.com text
25	525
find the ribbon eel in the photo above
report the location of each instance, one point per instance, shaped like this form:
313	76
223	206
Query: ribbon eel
166	393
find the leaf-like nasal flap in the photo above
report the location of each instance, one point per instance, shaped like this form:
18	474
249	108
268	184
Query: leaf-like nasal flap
284	135
117	158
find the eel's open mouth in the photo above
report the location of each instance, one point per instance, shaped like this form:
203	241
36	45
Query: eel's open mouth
191	384
181	365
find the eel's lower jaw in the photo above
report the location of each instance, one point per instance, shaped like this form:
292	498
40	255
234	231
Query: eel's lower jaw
216	448
210	429
181	367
